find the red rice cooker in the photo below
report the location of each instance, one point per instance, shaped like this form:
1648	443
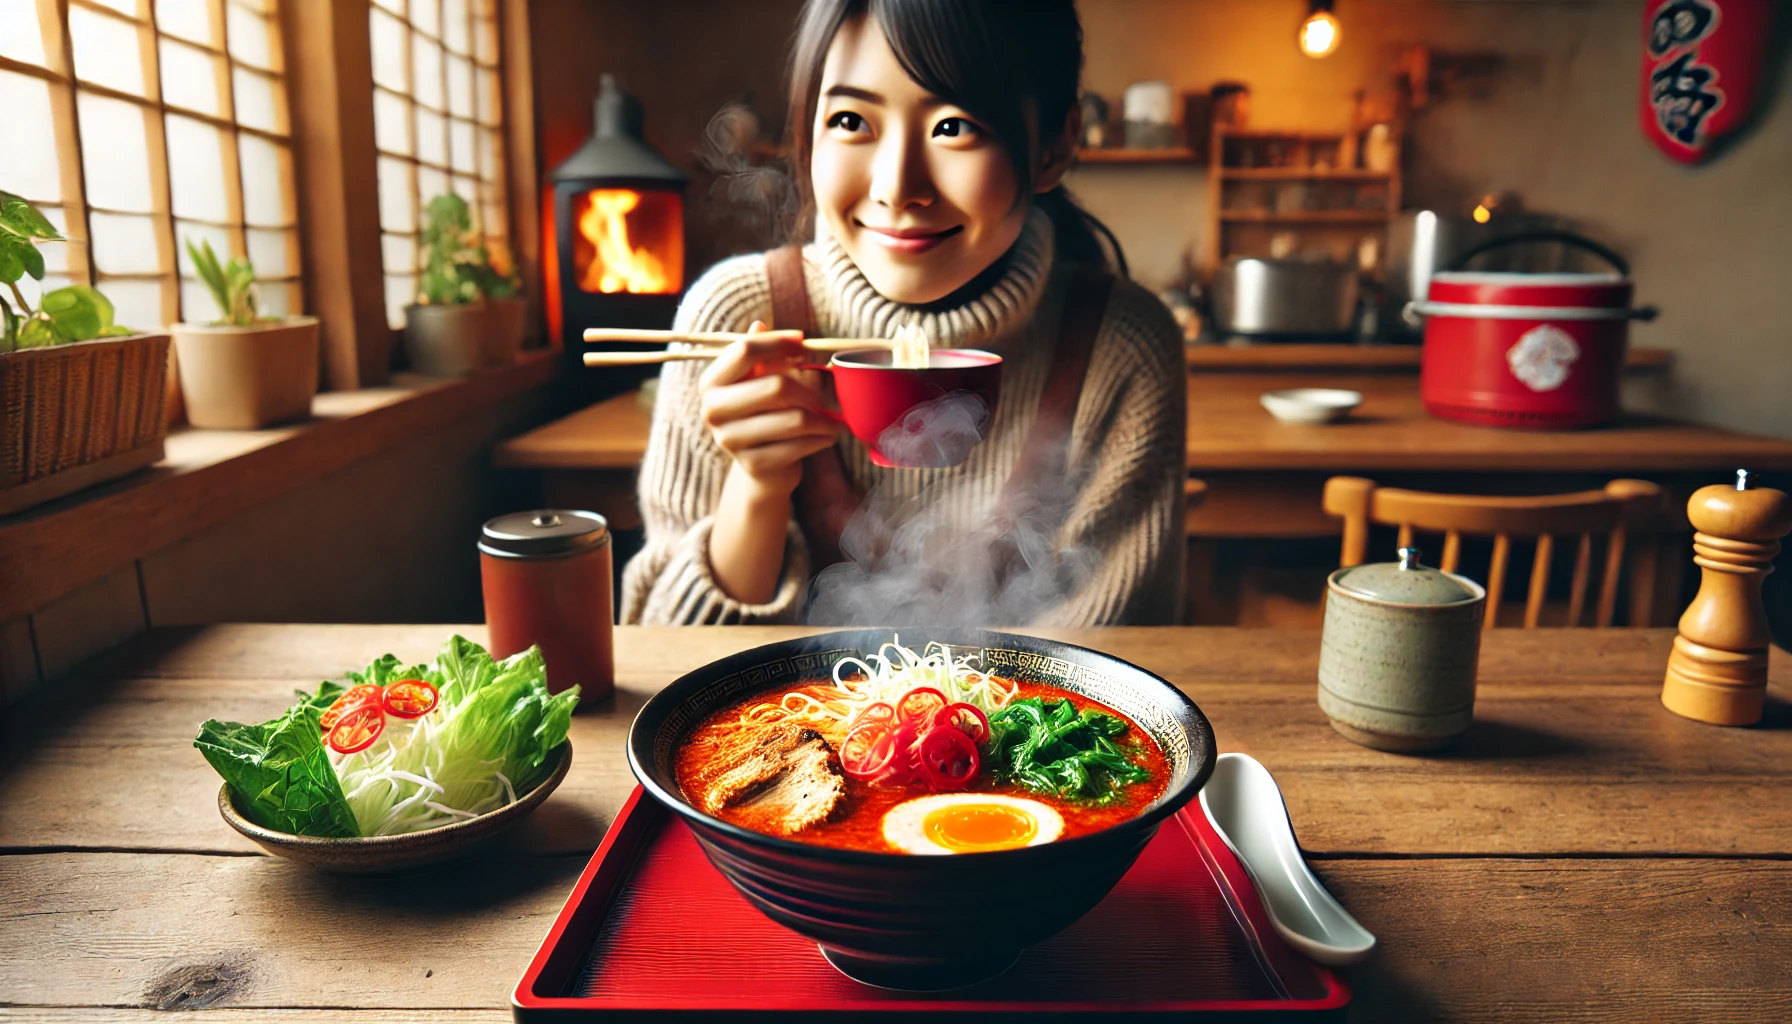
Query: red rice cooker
1537	351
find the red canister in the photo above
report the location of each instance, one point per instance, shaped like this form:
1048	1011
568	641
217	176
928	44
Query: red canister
1544	351
547	578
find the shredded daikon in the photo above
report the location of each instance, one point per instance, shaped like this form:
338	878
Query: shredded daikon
911	349
891	672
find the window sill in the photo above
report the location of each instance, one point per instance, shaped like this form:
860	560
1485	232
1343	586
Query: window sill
208	476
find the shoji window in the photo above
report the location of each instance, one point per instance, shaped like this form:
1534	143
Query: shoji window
94	97
438	123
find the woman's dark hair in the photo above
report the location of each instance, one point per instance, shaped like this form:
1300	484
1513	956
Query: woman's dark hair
998	59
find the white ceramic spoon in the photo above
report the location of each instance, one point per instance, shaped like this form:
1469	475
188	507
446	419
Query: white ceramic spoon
1245	805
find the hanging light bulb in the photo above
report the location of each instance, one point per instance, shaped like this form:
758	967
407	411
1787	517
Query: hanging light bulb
1319	34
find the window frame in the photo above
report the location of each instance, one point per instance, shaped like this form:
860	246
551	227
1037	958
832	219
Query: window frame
65	87
326	61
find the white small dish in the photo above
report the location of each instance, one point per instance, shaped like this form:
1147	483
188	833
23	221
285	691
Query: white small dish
1245	806
1311	405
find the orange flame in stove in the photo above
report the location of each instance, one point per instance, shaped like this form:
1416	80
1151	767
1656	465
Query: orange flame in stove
617	266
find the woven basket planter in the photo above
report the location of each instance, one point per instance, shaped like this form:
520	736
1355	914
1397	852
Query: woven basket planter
72	416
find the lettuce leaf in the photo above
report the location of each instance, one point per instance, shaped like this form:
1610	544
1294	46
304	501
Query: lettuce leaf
280	772
488	741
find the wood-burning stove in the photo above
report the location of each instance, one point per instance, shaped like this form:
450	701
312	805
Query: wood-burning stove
618	228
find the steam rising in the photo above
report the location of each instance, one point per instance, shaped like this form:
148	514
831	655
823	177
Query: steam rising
755	192
911	562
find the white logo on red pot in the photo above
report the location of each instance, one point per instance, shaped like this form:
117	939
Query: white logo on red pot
1541	357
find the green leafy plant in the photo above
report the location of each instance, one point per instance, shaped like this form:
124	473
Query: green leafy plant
64	315
232	284
458	267
452	254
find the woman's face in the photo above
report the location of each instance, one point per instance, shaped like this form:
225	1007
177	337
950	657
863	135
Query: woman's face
919	194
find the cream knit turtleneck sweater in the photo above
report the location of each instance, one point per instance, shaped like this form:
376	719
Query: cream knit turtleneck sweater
1122	516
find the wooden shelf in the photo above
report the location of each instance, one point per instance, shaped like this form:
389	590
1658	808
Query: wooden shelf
1304	217
1300	174
1176	155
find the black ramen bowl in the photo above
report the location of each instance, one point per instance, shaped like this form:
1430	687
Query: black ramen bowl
920	922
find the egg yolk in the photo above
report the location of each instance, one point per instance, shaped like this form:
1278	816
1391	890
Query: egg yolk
971	828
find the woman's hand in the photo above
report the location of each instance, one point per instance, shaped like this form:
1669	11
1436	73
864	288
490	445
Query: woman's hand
764	414
768	416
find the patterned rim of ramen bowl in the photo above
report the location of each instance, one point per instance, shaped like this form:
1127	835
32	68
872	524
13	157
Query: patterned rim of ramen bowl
914	922
372	855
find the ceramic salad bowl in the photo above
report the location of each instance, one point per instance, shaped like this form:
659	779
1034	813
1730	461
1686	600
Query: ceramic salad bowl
370	855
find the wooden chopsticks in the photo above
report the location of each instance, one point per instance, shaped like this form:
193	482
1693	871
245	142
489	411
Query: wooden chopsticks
712	342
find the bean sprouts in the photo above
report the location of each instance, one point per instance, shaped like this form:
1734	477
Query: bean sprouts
884	676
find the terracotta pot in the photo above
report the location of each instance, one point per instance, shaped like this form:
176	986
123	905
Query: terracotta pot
508	321
245	378
446	341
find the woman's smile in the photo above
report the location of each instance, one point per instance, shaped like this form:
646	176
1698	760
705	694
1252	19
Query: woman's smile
908	241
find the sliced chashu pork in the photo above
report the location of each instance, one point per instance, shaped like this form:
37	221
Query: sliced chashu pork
780	777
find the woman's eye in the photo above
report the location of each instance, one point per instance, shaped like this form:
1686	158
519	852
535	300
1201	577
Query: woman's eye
846	120
954	128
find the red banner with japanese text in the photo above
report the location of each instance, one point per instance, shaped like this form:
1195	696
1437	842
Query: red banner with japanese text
1702	63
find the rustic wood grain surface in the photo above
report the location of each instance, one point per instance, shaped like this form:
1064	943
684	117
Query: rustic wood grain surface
1584	855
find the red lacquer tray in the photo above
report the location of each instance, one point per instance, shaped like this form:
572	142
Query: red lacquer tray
653	932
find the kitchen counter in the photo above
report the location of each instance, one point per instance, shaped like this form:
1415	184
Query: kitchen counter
1583	856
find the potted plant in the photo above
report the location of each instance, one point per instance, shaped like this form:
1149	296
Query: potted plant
507	309
243	371
81	398
445	330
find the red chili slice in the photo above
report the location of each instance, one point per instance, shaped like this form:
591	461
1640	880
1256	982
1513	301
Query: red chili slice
919	703
352	698
906	765
878	711
357	729
867	751
409	698
967	718
949	759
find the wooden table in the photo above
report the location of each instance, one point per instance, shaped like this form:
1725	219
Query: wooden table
1263	477
1585	855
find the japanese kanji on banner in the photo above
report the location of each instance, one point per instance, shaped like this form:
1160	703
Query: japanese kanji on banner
1701	71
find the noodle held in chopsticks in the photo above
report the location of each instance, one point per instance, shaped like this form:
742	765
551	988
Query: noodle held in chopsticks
911	349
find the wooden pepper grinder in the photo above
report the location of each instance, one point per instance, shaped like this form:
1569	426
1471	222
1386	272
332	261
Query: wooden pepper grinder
1717	671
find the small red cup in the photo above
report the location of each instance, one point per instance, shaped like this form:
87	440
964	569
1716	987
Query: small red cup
874	396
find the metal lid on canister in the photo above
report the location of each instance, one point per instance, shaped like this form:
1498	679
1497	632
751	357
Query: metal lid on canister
544	533
1406	582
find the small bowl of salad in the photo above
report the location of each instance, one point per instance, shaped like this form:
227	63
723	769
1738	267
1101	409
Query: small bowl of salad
397	765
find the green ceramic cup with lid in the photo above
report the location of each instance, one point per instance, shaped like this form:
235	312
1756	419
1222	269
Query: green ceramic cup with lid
1397	660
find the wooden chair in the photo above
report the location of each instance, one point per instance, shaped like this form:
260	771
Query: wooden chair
1623	509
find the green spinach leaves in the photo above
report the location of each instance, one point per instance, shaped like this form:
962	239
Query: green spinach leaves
1050	747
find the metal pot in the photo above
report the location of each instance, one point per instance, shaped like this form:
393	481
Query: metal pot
1398	656
1269	299
1540	351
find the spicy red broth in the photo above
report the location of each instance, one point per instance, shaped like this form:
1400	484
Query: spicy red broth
857	820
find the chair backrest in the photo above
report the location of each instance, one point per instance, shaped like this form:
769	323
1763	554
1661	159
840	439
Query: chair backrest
1619	511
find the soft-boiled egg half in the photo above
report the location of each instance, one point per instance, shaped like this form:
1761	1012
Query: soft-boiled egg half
970	823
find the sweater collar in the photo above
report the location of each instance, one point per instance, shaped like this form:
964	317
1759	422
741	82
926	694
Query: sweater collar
983	318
